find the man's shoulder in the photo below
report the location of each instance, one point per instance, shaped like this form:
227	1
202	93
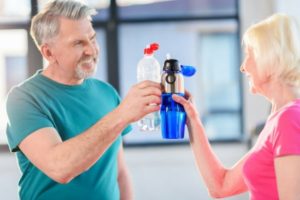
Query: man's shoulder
24	87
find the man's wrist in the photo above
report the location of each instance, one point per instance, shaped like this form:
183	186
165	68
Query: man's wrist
121	121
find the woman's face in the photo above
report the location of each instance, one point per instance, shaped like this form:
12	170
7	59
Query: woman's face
250	69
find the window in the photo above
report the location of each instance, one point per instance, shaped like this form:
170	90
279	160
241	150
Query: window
100	5
220	101
174	8
215	86
9	12
12	67
203	33
102	64
16	71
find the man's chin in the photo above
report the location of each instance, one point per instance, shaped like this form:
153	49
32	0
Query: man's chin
85	73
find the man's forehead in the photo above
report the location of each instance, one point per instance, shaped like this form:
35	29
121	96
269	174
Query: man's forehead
75	28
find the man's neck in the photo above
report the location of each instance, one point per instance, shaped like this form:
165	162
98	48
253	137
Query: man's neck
61	76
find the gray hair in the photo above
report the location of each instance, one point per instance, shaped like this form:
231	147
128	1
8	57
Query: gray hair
45	25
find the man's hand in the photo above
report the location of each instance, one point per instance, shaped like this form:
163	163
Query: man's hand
142	98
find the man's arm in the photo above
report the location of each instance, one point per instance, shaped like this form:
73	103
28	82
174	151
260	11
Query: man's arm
64	160
125	185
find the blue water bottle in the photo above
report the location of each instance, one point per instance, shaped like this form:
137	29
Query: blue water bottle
173	116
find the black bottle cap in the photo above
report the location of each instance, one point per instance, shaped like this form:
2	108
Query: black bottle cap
171	65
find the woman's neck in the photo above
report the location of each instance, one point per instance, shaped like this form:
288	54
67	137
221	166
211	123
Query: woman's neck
280	95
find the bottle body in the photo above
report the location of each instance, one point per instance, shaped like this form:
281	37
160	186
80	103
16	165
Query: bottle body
149	69
173	116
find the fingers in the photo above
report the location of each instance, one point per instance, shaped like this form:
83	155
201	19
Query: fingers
152	108
146	88
147	83
151	91
188	95
187	104
181	100
152	99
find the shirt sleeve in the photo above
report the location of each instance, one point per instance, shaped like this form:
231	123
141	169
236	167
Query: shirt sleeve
287	133
24	117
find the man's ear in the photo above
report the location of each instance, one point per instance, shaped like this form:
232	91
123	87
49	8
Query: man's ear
47	53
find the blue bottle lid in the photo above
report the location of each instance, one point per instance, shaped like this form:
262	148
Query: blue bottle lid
188	70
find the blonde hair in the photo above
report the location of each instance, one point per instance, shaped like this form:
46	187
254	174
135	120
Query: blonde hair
45	25
276	46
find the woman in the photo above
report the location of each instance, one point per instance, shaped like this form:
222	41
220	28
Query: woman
271	169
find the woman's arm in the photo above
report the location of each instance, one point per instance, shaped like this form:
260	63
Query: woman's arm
288	177
220	181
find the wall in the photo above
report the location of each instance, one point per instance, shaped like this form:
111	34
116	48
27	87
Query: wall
256	108
290	7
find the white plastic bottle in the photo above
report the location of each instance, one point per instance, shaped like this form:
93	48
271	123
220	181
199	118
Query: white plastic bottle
148	68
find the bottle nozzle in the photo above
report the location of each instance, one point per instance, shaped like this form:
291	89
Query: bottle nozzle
168	56
188	70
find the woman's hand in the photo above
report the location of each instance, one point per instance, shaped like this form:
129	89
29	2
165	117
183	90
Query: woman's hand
189	106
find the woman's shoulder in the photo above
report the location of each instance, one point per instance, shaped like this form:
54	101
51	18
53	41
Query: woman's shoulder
289	114
291	110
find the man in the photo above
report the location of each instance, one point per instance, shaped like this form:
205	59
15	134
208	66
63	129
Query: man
66	128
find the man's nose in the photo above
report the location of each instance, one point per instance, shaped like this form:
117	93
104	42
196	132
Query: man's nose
91	49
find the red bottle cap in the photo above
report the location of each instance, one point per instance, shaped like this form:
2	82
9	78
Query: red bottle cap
148	51
154	46
151	48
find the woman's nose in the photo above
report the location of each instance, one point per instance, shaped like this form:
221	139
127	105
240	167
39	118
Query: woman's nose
242	69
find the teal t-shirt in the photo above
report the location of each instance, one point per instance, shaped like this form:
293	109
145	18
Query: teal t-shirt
40	102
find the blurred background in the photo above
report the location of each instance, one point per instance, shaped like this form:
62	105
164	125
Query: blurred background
203	33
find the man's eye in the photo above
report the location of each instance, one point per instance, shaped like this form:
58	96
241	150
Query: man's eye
93	39
78	43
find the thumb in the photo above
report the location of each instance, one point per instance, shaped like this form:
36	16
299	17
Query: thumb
179	99
188	106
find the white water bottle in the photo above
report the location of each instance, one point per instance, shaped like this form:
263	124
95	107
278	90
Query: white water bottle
148	68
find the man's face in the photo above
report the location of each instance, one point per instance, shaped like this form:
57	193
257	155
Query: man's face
75	49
